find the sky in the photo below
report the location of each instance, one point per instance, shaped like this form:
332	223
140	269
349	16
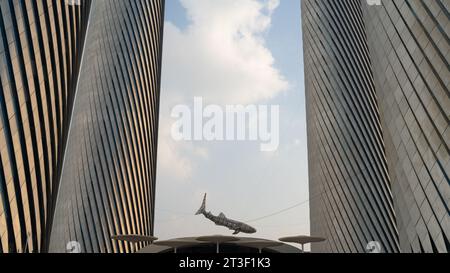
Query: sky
233	52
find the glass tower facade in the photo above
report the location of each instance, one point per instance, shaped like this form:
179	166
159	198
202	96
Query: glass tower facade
378	115
79	103
40	54
410	49
108	176
351	201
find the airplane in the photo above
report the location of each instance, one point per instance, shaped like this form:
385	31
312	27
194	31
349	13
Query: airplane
222	220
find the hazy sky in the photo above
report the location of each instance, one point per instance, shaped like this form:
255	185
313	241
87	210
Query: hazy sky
241	52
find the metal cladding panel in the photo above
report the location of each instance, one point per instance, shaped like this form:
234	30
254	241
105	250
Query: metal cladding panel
410	49
108	179
40	44
351	200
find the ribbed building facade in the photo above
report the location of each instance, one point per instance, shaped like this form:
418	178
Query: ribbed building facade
79	103
410	49
108	179
40	54
377	84
351	201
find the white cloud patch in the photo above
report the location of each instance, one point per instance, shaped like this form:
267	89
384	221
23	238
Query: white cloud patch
176	159
221	56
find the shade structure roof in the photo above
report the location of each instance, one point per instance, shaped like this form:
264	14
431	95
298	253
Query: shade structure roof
134	238
302	240
193	242
177	243
218	239
260	244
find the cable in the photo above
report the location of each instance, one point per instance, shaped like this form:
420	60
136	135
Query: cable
278	212
294	206
187	215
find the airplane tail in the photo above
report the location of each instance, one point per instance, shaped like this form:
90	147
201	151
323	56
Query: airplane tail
203	207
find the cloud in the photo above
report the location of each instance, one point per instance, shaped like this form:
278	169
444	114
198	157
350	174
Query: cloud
172	163
221	56
176	160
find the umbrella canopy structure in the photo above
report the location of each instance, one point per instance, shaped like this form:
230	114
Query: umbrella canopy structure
260	244
204	244
302	240
218	239
176	243
134	238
